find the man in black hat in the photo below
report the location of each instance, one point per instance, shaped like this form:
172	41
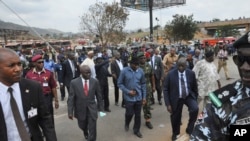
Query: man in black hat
133	85
230	104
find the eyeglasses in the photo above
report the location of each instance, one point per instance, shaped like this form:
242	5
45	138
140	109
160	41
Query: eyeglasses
40	62
242	59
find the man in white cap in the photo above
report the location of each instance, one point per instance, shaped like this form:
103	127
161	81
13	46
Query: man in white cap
90	62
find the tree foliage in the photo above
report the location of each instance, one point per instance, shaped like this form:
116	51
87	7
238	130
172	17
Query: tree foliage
105	20
181	28
227	30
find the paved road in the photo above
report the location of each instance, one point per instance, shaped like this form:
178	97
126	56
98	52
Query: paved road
111	127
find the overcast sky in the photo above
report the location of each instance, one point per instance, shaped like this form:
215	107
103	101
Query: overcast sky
64	14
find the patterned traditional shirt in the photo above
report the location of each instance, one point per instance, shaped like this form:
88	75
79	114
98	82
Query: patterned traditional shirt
207	76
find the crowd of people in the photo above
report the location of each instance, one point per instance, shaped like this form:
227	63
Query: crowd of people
179	77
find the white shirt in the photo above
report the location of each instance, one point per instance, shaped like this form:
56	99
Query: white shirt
12	131
72	67
119	64
185	82
91	64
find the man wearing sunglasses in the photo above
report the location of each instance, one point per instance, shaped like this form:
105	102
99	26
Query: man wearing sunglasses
47	81
230	104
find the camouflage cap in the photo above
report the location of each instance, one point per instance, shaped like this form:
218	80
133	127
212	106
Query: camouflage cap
140	54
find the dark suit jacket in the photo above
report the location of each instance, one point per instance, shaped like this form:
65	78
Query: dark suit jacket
158	68
67	74
79	103
115	69
171	87
31	93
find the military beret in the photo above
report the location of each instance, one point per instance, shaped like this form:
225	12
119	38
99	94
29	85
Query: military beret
147	54
243	41
140	54
36	58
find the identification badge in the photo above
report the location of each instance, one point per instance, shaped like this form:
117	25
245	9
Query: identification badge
45	84
32	112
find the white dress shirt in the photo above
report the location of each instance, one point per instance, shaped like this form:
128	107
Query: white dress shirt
185	82
12	131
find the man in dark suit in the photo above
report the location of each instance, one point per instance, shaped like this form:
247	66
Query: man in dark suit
69	70
179	88
156	63
116	68
28	97
84	91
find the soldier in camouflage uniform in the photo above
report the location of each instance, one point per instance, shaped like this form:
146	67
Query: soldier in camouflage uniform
230	104
150	87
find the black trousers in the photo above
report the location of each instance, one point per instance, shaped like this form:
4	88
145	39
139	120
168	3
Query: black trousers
158	88
62	91
177	113
88	126
105	95
116	89
48	98
133	108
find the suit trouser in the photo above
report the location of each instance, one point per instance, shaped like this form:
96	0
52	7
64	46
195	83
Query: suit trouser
177	113
62	91
116	89
105	95
49	102
158	88
133	108
88	126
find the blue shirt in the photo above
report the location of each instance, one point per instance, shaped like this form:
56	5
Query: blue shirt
132	80
49	65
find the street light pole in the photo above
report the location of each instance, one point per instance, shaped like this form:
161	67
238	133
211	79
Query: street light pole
157	37
150	6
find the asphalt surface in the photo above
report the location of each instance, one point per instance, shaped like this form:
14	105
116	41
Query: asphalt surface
111	126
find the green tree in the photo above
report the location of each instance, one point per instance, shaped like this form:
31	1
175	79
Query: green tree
181	28
227	30
105	20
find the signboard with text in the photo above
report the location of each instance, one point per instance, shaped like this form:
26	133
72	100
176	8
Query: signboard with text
143	5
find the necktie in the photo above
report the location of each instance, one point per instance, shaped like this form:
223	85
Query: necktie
183	88
73	68
18	120
86	88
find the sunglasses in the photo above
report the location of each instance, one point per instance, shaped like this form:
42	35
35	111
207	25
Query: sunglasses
40	62
242	59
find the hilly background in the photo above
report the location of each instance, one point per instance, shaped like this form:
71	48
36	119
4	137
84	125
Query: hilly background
8	25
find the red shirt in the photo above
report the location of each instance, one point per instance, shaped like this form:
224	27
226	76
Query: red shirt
45	78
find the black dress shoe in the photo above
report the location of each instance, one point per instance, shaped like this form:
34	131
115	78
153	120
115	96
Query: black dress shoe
160	103
107	110
86	135
126	128
123	106
174	137
116	104
149	125
138	134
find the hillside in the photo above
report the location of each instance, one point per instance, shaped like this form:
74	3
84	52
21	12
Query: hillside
8	25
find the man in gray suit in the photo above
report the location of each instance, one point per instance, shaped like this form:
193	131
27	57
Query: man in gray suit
156	63
83	92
